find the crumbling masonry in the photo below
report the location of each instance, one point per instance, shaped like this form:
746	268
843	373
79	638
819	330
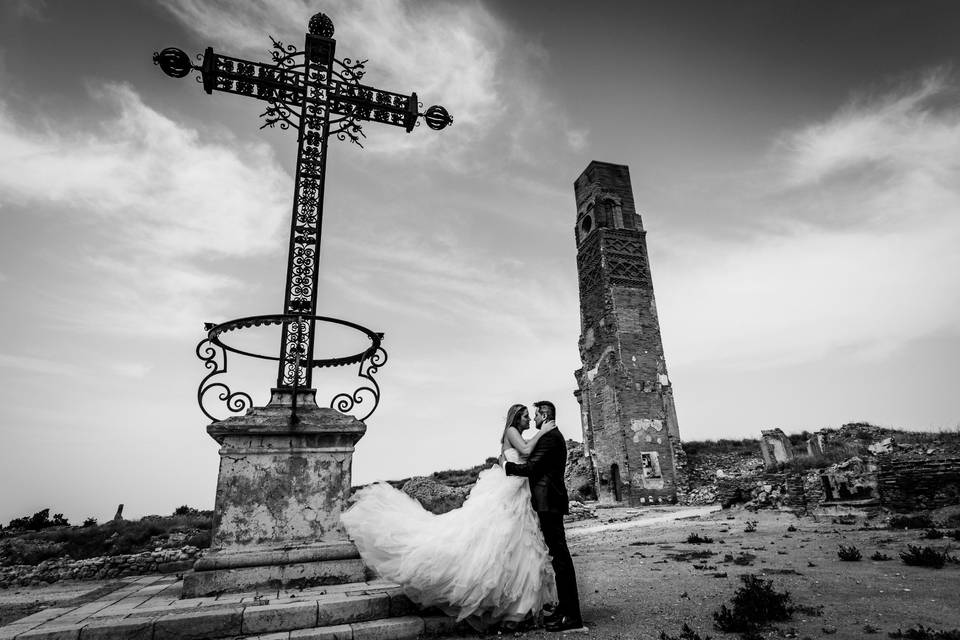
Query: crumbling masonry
626	402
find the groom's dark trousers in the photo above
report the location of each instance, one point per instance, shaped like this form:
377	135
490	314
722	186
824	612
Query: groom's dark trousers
544	469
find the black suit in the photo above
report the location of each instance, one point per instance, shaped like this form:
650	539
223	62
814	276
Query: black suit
544	468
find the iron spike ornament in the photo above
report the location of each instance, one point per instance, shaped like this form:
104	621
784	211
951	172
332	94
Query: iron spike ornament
319	95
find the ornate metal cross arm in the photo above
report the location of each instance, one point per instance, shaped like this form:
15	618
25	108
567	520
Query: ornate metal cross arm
309	89
283	83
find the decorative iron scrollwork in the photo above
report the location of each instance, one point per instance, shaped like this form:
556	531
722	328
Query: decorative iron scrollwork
213	352
345	403
214	358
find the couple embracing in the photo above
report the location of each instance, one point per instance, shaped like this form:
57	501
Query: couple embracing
502	557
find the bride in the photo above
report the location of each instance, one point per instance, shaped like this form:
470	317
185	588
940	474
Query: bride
485	562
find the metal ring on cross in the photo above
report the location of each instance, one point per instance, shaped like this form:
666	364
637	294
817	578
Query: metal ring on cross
212	350
215	331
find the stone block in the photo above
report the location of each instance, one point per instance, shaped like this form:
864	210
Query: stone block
407	628
280	635
400	605
118	629
279	484
198	625
343	609
335	632
302	575
298	575
179	566
439	625
63	632
279	617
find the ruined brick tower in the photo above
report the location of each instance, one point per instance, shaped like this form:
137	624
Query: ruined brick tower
626	402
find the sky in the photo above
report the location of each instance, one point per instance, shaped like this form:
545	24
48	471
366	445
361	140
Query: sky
796	165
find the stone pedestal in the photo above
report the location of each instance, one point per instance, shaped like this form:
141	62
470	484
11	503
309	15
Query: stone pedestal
284	480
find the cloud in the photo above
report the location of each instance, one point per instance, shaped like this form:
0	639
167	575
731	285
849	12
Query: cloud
135	370
447	52
48	367
456	54
907	131
149	201
448	282
856	256
43	366
28	9
163	189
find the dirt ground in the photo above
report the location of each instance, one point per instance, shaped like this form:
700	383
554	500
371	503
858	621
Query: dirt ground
637	582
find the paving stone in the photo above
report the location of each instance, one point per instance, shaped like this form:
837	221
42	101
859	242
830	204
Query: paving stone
189	603
152	589
157	602
44	616
11	631
121	608
279	617
81	613
342	588
282	635
407	628
340	609
62	632
232	597
119	629
335	632
199	624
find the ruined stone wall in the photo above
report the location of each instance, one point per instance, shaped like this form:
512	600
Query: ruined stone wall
912	485
100	568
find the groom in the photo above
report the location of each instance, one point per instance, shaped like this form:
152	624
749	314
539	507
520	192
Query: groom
544	468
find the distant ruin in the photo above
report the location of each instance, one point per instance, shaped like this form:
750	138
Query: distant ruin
857	468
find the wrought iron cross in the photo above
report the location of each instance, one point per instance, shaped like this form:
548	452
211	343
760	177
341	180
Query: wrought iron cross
320	96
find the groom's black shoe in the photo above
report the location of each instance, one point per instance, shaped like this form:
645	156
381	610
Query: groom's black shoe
563	623
551	613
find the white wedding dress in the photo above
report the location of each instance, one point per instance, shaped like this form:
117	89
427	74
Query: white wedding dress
485	562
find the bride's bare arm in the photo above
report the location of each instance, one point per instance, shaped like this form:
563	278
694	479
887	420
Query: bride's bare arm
525	446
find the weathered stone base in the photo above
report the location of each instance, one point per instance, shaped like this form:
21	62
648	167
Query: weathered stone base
284	568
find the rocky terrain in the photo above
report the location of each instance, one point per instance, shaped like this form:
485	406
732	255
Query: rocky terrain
733	471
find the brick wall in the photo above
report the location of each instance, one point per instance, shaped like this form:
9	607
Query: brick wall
912	485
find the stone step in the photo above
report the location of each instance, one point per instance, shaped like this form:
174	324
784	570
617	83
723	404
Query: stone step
399	628
370	612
